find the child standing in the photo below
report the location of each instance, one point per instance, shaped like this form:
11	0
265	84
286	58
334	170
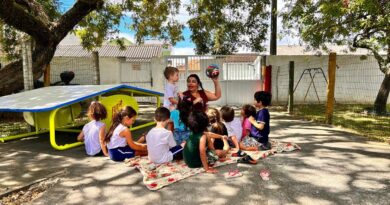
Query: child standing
94	131
233	126
162	147
195	149
248	143
179	117
170	91
119	140
260	124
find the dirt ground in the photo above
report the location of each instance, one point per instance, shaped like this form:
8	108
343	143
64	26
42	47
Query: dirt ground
333	167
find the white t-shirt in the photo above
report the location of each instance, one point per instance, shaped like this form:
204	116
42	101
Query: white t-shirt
91	137
234	128
159	141
116	140
170	91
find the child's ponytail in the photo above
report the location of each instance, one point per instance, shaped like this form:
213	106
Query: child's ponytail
117	119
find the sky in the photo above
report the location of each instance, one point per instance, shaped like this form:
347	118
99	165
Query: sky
185	47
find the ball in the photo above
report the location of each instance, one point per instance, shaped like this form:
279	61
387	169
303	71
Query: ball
212	71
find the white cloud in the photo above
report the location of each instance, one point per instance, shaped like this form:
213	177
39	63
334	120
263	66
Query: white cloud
183	51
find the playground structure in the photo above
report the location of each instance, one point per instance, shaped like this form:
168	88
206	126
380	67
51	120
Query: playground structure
55	108
312	74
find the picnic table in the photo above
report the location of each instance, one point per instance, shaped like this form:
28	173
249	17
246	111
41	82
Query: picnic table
51	109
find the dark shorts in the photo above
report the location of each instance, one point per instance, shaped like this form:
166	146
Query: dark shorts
177	152
121	153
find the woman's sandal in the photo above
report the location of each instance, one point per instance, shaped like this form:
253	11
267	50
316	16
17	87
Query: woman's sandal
239	153
247	159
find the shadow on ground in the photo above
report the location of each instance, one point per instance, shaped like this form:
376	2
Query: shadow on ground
334	167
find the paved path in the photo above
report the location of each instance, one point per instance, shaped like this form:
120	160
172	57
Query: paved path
334	167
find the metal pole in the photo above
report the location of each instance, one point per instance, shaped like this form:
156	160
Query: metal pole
291	88
274	15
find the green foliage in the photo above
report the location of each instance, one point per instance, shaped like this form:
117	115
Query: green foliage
357	23
99	25
221	26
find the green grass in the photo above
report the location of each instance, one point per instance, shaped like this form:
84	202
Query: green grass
352	117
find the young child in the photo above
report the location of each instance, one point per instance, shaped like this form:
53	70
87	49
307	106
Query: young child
94	131
119	140
179	117
233	126
170	91
260	124
195	149
216	126
248	143
162	147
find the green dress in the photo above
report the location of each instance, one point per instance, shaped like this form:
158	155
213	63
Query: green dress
191	152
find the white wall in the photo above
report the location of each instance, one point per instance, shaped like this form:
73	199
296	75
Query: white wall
109	70
357	80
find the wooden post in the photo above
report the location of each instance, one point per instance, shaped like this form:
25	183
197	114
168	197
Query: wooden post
330	88
95	59
291	88
46	76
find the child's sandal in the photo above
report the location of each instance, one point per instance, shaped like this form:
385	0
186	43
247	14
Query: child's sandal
247	159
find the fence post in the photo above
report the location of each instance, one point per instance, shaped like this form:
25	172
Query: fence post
330	87
28	78
291	88
46	76
95	59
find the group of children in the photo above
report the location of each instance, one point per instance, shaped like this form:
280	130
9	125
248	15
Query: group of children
181	130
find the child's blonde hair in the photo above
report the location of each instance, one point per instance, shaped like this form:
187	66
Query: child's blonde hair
215	120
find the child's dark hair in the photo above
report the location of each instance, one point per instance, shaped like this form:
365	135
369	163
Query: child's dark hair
162	114
198	122
97	111
117	119
249	110
227	113
185	107
264	97
197	79
215	120
170	71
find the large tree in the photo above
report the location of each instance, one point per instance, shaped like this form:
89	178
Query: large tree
221	26
93	20
357	23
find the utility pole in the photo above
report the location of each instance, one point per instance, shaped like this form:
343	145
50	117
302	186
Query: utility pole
274	17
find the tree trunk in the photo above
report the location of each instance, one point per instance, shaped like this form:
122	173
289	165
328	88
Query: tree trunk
11	76
382	96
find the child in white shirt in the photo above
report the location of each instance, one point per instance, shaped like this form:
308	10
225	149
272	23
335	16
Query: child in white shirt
233	126
94	131
171	88
161	145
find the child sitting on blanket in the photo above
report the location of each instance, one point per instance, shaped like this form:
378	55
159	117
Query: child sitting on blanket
216	126
260	123
94	131
199	144
119	140
233	126
162	147
248	143
179	117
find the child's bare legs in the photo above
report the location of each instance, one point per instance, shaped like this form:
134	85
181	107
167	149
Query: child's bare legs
223	153
235	143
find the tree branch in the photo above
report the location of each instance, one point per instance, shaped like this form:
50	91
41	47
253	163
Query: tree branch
74	15
14	14
357	43
36	9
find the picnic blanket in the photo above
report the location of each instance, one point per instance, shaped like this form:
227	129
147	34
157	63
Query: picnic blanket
157	176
